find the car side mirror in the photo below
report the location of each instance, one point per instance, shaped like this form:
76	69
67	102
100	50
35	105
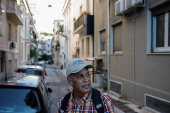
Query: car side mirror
49	90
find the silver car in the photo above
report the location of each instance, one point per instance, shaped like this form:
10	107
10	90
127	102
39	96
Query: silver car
31	69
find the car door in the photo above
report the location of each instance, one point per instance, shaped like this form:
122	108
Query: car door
45	94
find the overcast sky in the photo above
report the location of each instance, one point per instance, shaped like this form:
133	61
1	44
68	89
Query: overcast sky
48	14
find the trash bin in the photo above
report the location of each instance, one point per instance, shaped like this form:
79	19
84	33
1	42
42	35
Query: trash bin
104	82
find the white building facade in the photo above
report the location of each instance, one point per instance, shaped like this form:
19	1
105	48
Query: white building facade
69	28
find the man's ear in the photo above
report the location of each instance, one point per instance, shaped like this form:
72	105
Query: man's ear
69	80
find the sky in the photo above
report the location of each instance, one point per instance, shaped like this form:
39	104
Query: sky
47	15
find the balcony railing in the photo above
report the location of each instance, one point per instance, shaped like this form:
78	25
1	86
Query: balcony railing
14	12
41	41
80	21
41	48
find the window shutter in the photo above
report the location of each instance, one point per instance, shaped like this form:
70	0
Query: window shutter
161	9
103	36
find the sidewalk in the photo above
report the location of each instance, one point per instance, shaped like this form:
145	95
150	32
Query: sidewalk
120	105
63	71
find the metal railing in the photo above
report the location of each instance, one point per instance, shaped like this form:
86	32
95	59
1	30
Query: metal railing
12	5
79	21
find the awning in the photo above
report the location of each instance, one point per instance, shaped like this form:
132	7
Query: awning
94	58
7	51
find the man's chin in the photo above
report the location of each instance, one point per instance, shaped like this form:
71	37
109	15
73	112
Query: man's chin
86	90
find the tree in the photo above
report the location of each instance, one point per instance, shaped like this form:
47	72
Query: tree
60	28
33	53
45	57
57	44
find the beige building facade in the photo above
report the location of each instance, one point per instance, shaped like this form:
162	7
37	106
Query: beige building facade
134	47
84	41
15	35
9	39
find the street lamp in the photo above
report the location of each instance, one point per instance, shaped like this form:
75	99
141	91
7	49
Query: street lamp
49	5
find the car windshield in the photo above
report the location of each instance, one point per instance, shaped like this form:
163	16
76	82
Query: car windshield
14	100
30	71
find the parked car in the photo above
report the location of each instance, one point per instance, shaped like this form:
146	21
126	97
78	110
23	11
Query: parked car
42	64
24	94
46	62
31	69
49	62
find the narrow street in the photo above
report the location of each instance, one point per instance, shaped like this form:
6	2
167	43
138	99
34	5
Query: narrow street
58	83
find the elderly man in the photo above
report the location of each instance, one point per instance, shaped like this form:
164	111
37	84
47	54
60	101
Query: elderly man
83	98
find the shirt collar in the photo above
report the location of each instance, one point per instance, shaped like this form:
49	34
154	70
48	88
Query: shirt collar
84	98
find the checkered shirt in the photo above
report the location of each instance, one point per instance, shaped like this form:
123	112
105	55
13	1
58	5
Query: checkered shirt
86	105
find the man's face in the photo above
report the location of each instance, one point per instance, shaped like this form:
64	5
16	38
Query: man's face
81	81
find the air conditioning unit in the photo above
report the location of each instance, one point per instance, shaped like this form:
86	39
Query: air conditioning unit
120	8
12	45
133	4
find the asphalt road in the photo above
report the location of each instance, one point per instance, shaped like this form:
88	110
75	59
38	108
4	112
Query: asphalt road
58	83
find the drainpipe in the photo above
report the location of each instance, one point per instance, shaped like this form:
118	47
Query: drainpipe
108	46
93	39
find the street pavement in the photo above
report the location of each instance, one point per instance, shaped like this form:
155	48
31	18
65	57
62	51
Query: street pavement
56	80
58	83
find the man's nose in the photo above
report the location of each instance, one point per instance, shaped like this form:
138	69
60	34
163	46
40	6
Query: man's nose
86	78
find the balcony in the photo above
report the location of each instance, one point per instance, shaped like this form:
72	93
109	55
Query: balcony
32	26
85	23
42	48
66	30
13	12
41	42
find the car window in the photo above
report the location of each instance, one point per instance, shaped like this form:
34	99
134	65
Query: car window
39	64
30	71
16	100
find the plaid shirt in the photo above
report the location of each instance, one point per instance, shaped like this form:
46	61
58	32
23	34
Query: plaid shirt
86	105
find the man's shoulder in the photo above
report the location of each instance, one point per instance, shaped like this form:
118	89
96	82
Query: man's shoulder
104	97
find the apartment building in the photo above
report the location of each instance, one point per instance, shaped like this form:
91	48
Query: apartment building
41	45
34	33
132	37
28	35
56	43
49	45
83	32
60	45
10	18
15	35
69	29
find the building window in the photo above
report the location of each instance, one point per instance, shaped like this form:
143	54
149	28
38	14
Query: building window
9	32
82	47
22	51
1	28
16	63
88	46
15	35
116	38
161	28
102	41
